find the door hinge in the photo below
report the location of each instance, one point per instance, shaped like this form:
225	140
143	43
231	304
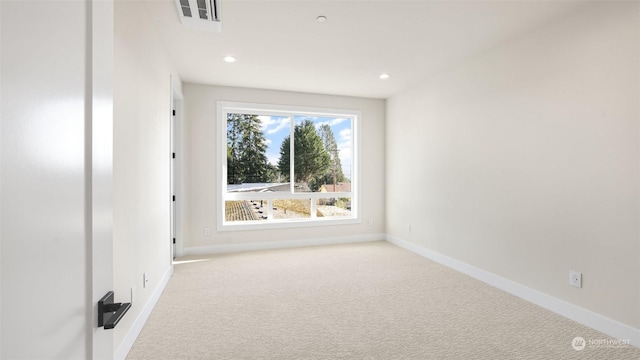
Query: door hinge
174	198
173	155
174	113
174	240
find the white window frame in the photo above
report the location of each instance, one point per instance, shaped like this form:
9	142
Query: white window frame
226	107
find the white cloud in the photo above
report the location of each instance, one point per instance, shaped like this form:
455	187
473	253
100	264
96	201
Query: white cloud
345	135
333	122
271	125
281	124
266	121
273	158
344	144
345	149
338	121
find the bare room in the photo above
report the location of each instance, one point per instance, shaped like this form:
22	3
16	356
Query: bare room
317	179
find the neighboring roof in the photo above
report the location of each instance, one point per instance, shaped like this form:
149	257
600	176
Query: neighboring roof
264	187
256	187
339	187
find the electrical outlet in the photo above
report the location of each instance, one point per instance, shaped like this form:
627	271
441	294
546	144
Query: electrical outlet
575	279
207	231
145	280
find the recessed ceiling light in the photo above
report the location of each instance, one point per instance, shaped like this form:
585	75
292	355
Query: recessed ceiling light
384	76
321	18
230	59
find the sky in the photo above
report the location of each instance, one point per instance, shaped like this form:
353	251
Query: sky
276	128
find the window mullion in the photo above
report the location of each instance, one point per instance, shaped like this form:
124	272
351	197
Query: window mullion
291	153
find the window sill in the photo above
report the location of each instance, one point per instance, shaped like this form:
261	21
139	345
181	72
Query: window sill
285	224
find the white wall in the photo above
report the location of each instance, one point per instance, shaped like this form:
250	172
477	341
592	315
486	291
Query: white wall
1	179
524	161
55	176
201	182
142	105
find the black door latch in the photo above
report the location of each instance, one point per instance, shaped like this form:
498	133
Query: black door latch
110	313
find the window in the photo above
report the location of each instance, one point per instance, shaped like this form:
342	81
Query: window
283	166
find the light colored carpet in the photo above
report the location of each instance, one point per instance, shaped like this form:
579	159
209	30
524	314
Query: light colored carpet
356	301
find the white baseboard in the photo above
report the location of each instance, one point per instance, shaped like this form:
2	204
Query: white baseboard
580	315
228	248
132	335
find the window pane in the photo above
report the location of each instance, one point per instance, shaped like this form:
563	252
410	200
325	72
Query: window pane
322	153
291	208
245	210
334	207
253	152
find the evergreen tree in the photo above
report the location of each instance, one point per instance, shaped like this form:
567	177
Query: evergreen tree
233	149
311	160
331	146
246	150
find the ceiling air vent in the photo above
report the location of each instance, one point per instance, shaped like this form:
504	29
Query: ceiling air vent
200	14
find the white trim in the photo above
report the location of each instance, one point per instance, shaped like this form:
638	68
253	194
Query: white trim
286	110
229	248
134	331
178	163
580	315
288	223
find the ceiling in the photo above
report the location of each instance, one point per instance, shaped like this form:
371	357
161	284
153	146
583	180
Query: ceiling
280	45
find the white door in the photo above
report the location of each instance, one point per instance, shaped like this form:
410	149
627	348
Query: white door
55	178
176	169
172	179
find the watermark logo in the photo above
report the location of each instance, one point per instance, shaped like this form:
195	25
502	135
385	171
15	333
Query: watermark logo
578	343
